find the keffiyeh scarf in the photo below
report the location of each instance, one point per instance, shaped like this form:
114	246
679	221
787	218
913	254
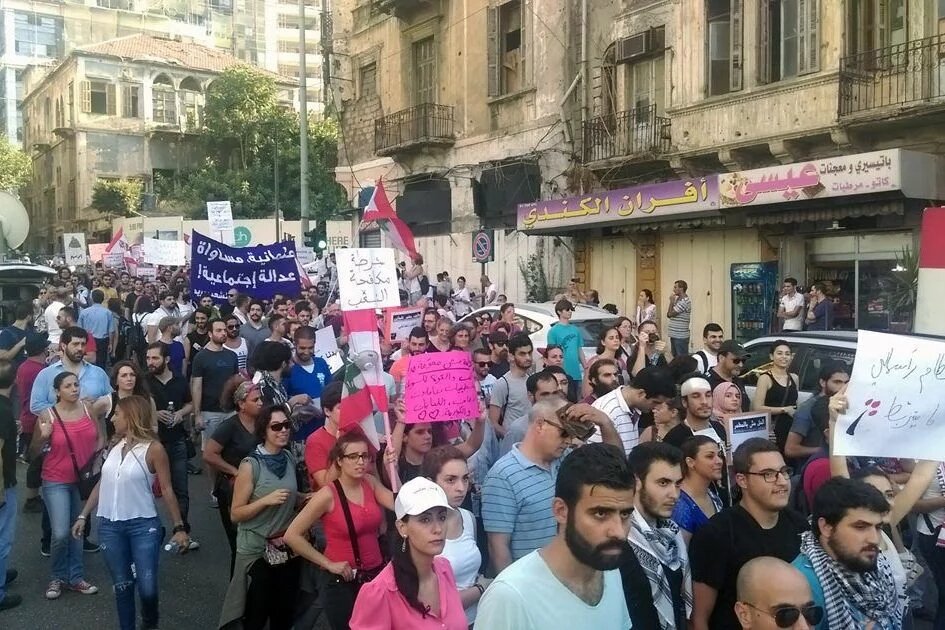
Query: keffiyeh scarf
874	594
655	547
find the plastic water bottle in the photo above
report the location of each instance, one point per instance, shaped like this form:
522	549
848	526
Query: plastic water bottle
172	547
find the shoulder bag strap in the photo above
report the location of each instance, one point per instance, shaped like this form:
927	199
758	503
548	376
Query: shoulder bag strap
65	434
351	532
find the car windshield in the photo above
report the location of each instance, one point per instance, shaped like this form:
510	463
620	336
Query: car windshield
591	329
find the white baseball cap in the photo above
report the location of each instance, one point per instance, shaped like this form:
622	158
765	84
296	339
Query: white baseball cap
417	496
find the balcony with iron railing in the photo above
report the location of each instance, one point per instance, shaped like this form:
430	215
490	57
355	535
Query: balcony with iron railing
639	133
426	125
907	76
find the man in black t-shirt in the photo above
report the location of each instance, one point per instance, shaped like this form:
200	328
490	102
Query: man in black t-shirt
171	395
761	525
731	361
8	487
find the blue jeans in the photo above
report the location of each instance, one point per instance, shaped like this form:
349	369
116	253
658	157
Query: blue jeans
679	347
177	460
133	542
63	504
7	530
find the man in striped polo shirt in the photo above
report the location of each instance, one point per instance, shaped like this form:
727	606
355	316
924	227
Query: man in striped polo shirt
519	489
650	387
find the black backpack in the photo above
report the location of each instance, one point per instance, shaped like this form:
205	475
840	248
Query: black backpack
424	284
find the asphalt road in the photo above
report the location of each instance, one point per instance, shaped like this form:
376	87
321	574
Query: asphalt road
191	591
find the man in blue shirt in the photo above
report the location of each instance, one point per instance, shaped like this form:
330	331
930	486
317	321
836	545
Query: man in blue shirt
99	322
93	381
820	311
309	374
13	338
568	336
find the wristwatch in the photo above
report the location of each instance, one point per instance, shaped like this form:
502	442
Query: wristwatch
182	527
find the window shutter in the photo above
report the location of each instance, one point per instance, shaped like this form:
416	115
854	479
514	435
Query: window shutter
764	41
493	52
111	103
808	36
525	66
736	41
86	97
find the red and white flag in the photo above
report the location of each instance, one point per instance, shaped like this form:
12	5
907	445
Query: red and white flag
380	211
364	391
118	240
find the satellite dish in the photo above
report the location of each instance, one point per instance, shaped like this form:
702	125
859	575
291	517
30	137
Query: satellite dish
14	222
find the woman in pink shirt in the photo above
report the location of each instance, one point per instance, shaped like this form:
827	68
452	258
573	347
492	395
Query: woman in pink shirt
416	590
70	438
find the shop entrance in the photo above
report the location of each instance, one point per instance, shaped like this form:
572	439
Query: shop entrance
862	277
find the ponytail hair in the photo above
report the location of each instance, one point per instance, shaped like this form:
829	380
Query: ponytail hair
406	576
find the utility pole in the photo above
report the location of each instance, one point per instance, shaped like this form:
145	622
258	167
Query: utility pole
303	120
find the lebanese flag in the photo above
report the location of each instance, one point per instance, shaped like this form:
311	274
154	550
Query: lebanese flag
364	390
118	240
380	211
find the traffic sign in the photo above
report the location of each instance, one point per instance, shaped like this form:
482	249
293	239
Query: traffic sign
483	246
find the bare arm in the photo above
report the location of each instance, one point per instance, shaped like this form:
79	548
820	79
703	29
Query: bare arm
10	354
196	396
382	494
703	603
212	455
325	477
499	551
474	441
794	449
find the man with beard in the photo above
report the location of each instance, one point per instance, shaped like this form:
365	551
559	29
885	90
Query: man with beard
624	405
499	345
841	558
166	308
93	381
196	339
656	579
481	364
571	582
167	389
518	490
417	343
696	395
234	343
772	594
212	367
255	330
603	377
308	374
760	525
510	395
540	386
806	438
731	361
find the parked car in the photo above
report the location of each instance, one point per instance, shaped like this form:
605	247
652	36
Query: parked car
811	351
537	319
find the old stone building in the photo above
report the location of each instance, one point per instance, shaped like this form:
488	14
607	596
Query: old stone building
120	109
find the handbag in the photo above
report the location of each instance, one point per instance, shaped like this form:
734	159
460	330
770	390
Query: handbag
88	475
277	551
361	576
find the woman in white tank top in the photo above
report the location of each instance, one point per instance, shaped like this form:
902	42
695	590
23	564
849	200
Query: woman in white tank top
129	527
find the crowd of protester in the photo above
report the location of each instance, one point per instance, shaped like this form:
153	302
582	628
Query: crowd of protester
596	488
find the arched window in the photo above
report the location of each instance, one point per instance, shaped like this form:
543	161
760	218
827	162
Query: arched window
163	100
191	98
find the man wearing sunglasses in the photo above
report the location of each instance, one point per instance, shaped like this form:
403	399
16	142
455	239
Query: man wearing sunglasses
730	364
841	559
761	524
773	594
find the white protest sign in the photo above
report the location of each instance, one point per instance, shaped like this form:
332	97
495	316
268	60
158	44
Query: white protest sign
73	245
146	273
743	427
895	403
220	216
305	255
326	347
114	260
367	278
163	252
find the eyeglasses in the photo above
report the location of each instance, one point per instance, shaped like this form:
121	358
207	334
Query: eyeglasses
359	457
787	616
500	343
771	476
484	364
232	327
278	427
738	361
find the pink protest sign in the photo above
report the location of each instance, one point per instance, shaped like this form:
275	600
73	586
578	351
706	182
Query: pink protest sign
440	388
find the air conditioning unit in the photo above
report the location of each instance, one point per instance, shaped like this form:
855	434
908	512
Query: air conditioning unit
630	48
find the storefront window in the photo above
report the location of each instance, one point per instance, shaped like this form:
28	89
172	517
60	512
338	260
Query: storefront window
867	294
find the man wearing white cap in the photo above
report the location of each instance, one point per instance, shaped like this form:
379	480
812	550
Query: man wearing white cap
696	393
421	507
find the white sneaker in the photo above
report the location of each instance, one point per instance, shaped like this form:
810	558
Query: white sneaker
193	545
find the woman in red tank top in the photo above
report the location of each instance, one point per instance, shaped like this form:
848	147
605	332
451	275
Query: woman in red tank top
351	560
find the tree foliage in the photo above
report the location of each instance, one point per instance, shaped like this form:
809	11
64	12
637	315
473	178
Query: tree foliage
247	137
120	197
15	166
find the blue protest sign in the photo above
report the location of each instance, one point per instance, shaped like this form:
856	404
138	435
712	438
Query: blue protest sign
260	272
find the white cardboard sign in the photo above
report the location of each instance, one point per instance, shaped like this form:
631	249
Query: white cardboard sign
367	278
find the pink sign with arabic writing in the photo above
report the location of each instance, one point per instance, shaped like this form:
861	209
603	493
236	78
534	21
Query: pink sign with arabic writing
440	388
879	171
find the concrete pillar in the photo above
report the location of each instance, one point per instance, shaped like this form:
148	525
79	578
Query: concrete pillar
931	291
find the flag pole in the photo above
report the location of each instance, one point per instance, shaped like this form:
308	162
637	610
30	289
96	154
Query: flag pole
392	466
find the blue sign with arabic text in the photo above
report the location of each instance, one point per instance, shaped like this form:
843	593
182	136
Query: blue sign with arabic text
261	271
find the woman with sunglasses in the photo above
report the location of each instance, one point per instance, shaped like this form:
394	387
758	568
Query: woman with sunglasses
776	392
232	441
446	465
265	580
349	509
129	526
699	498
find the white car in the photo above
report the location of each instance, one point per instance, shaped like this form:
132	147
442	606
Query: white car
537	319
